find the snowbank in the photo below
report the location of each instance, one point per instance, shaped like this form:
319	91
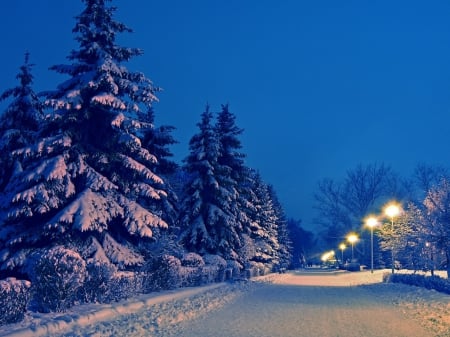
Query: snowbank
157	309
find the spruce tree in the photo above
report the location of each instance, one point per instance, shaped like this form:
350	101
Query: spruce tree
285	243
206	215
263	227
232	162
20	122
158	141
88	182
228	134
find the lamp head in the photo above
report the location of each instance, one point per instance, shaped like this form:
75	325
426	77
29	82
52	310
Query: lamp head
392	210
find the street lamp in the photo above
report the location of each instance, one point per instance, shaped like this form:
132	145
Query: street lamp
392	210
342	246
327	256
371	222
352	238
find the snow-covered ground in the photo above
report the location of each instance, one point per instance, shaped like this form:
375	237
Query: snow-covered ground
288	304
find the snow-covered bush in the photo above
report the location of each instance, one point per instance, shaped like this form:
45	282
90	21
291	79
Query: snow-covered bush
429	282
256	269
190	276
214	271
162	273
192	260
124	285
215	260
14	297
196	270
233	269
98	279
58	275
104	284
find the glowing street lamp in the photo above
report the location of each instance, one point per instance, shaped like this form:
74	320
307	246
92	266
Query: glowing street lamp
371	222
342	246
352	238
392	210
327	256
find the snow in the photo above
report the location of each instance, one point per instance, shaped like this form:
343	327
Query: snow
354	301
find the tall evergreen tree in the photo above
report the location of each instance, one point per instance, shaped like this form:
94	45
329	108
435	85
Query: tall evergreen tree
206	216
285	243
158	141
231	161
89	181
263	227
19	123
228	134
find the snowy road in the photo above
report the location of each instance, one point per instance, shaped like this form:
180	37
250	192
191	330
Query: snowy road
293	309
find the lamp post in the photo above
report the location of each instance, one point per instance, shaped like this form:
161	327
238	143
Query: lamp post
371	222
342	247
392	210
352	238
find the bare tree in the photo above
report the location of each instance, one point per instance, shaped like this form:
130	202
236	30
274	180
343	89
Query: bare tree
342	206
426	177
437	206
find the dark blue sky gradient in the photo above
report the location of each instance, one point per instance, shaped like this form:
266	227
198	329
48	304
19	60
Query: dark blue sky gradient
318	86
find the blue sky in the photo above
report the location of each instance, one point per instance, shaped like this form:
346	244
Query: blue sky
319	86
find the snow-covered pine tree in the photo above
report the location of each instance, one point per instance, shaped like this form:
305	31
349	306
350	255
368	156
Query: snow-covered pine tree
19	123
232	161
157	141
263	226
206	217
87	183
285	243
229	143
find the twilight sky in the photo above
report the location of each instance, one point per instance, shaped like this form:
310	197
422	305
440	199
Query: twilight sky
319	86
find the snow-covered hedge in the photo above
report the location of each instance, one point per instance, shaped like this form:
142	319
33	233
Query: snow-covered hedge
163	273
233	270
124	285
192	260
14	298
429	282
96	285
58	275
256	269
215	269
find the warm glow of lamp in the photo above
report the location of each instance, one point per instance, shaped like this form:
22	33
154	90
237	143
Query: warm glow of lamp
352	238
342	246
328	255
371	222
392	210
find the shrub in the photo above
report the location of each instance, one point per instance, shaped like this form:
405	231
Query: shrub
429	282
14	298
233	270
97	282
124	285
255	269
192	260
163	273
190	276
58	276
214	271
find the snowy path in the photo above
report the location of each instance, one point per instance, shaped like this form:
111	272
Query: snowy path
312	311
292	304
